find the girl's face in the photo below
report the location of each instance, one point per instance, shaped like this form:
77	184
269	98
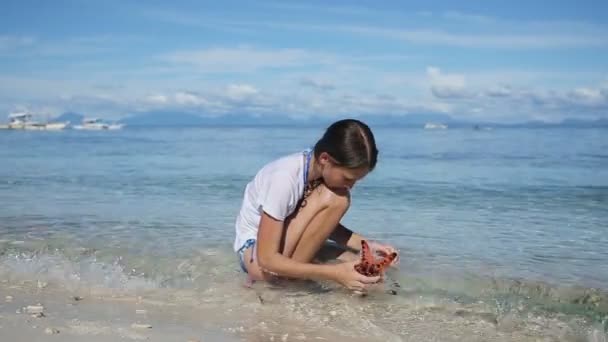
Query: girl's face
337	177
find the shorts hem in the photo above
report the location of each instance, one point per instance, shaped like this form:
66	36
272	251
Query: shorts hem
241	253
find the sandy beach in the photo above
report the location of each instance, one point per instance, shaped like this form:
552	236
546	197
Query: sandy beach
41	311
32	312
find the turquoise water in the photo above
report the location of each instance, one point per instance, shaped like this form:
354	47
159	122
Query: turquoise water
504	213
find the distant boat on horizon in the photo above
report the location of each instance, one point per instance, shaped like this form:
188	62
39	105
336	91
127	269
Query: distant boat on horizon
481	128
96	124
23	121
433	125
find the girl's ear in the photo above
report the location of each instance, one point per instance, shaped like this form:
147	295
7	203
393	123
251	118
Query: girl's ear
324	158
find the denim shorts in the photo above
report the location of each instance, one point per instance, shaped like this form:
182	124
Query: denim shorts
241	253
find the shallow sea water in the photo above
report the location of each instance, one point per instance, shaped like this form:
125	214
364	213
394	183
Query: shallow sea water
503	233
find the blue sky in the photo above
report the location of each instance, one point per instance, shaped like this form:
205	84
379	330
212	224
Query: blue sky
475	60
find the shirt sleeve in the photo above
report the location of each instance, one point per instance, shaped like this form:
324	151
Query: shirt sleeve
278	195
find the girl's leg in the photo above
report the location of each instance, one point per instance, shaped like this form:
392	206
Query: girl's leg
330	251
308	229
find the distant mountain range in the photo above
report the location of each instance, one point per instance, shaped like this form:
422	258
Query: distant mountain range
167	118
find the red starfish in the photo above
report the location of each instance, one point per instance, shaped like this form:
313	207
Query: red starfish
368	265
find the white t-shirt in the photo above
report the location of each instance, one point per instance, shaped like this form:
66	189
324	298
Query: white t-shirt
276	189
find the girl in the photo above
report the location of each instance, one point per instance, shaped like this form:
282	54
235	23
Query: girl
294	205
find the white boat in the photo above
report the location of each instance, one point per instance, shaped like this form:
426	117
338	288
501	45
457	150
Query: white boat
23	121
56	126
432	125
96	124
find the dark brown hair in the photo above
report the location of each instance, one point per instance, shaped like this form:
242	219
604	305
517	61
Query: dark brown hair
350	143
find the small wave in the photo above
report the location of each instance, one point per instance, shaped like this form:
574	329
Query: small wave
85	272
110	267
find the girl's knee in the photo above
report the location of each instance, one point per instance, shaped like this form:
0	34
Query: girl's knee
334	199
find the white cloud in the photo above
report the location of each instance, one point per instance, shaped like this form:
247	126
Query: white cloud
26	46
318	84
583	99
468	17
494	31
589	97
451	29
447	85
532	40
205	20
240	92
547	104
215	101
188	99
499	91
247	59
488	96
157	99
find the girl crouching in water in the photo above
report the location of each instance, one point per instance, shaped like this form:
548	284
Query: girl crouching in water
294	204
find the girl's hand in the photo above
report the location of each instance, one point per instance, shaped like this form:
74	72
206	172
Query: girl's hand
384	250
348	277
